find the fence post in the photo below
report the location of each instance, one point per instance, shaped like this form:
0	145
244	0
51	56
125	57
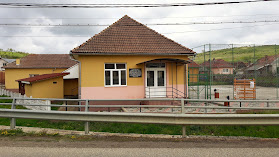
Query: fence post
206	104
48	103
267	103
86	127
182	106
13	120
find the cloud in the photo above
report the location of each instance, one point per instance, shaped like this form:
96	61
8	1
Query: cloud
55	40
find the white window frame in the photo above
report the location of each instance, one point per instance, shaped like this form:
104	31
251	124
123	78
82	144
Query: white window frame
111	75
226	71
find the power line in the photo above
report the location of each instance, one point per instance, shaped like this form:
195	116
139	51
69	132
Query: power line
219	29
160	33
172	17
150	24
45	5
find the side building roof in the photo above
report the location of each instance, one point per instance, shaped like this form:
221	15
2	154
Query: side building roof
42	77
43	61
127	36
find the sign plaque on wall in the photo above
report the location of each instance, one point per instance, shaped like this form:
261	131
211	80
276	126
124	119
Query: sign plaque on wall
135	72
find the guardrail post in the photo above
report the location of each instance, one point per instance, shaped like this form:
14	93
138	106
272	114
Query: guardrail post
86	126
267	103
183	131
182	112
13	120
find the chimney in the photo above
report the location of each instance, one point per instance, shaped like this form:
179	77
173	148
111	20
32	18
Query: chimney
17	61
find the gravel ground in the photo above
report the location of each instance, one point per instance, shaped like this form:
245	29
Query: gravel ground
227	90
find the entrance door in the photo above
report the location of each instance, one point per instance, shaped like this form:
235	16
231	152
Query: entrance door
155	82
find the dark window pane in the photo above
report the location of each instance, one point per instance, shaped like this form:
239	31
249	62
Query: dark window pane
115	78
109	66
161	78
120	66
107	75
150	78
123	77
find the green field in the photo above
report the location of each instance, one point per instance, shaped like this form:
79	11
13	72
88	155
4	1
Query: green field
244	54
10	53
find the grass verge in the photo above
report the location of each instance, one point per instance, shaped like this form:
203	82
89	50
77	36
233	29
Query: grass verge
252	131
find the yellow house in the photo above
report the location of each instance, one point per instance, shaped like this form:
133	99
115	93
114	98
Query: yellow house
38	64
43	86
128	60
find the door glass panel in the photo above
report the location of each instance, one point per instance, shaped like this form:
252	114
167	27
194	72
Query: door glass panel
115	78
161	78
150	78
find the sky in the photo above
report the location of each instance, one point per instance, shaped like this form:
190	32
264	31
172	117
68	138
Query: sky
54	40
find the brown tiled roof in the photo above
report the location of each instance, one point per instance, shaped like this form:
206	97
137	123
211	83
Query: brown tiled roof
127	36
42	77
217	63
265	61
193	64
44	61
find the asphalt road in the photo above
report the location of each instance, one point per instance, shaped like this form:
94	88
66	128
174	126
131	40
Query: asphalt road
65	146
130	152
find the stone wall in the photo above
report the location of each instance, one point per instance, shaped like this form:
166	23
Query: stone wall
27	103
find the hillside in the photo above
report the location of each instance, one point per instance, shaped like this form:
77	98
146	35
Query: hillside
244	54
10	53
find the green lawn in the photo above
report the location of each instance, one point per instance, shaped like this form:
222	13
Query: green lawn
252	131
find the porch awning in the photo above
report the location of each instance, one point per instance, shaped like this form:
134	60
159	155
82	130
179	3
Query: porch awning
180	61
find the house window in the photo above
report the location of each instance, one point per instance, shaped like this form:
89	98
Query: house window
225	70
115	74
4	64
